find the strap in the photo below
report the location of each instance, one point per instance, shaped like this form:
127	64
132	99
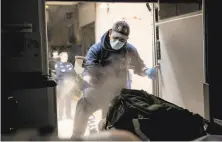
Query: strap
136	125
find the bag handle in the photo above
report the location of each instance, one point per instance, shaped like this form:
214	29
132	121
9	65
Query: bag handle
136	125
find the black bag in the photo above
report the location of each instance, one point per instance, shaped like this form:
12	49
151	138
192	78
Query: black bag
152	118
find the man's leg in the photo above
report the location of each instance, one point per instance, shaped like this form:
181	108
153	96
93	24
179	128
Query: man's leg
104	111
60	107
60	101
88	104
68	106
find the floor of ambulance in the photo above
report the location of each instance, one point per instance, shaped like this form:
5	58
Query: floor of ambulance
65	126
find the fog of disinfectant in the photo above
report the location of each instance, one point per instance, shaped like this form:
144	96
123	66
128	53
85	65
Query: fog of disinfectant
112	81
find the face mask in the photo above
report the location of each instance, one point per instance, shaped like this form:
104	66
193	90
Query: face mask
116	44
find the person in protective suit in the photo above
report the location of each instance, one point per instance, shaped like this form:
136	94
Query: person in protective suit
107	72
65	75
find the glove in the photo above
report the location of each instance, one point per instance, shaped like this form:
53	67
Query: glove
152	73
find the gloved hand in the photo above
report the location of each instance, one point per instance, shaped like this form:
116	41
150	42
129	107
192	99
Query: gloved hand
152	72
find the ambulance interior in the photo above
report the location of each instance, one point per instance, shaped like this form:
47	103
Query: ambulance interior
169	34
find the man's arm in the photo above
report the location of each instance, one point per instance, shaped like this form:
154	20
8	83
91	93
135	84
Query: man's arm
138	65
92	66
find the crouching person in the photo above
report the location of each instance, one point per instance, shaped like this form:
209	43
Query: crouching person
107	72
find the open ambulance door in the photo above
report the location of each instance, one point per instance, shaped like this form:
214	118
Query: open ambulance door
179	50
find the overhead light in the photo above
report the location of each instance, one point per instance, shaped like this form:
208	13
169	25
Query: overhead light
46	6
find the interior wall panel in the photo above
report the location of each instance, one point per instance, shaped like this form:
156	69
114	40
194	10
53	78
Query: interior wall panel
181	73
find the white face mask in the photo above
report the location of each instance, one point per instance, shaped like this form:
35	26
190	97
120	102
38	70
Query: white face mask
116	44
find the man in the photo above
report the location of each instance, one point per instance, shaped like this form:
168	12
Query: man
64	77
106	71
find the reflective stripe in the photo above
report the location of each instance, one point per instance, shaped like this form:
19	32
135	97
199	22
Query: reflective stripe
136	125
92	123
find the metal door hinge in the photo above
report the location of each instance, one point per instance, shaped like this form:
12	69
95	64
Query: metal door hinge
158	52
157	33
156	14
158	44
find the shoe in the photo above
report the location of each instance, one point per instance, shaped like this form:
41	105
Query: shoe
74	135
93	131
